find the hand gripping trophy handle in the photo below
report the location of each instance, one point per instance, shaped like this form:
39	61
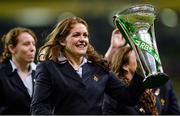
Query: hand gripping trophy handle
136	24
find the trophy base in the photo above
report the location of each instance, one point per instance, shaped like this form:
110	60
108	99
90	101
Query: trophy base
155	81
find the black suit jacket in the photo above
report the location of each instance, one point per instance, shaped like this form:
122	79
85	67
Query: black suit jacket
167	103
60	90
14	97
112	107
168	100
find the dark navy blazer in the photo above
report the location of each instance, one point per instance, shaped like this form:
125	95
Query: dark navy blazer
14	97
167	103
60	90
112	107
168	100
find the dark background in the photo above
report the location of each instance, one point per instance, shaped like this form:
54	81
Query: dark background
42	15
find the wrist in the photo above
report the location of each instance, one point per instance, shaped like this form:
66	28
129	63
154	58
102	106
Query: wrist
109	53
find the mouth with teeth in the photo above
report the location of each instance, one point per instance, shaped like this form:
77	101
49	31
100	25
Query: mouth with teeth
81	45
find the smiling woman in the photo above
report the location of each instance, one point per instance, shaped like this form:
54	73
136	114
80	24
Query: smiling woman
74	77
76	45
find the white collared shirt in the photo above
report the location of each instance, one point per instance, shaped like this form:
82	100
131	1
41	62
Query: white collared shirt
62	59
28	80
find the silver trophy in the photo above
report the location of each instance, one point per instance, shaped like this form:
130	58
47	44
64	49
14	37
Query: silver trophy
136	24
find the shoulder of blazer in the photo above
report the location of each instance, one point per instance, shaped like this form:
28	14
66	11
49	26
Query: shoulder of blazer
6	66
1	66
45	63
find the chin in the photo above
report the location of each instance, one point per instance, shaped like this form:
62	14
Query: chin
81	54
29	61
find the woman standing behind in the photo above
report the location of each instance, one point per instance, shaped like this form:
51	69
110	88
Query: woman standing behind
124	64
73	78
17	71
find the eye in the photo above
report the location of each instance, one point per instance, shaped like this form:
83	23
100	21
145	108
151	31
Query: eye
76	35
26	43
85	35
29	43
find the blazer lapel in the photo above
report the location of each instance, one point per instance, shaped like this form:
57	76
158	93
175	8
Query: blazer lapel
33	79
68	70
90	71
87	71
15	79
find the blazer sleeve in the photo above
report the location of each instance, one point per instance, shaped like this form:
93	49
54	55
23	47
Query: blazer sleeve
2	107
42	90
128	95
173	107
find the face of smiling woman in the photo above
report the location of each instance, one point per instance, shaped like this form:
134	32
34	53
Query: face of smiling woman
76	43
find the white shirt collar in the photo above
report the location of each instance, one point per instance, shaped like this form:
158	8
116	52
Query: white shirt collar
32	66
62	59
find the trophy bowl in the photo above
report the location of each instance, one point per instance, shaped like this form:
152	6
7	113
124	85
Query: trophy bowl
136	24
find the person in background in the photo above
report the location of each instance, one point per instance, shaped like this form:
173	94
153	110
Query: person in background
124	64
166	101
73	77
17	71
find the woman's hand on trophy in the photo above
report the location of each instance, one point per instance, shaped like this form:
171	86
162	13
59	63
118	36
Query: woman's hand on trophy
117	41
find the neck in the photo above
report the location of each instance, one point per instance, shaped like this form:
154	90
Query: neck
74	61
21	66
129	76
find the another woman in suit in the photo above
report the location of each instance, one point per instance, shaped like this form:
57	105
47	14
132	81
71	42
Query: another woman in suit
73	78
17	71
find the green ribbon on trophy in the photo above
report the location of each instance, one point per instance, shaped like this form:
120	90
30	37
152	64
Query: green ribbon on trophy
139	43
134	24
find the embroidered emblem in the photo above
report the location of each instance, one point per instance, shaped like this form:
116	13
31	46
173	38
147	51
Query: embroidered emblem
162	102
95	78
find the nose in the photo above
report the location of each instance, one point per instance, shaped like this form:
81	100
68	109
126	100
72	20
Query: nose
33	48
83	38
